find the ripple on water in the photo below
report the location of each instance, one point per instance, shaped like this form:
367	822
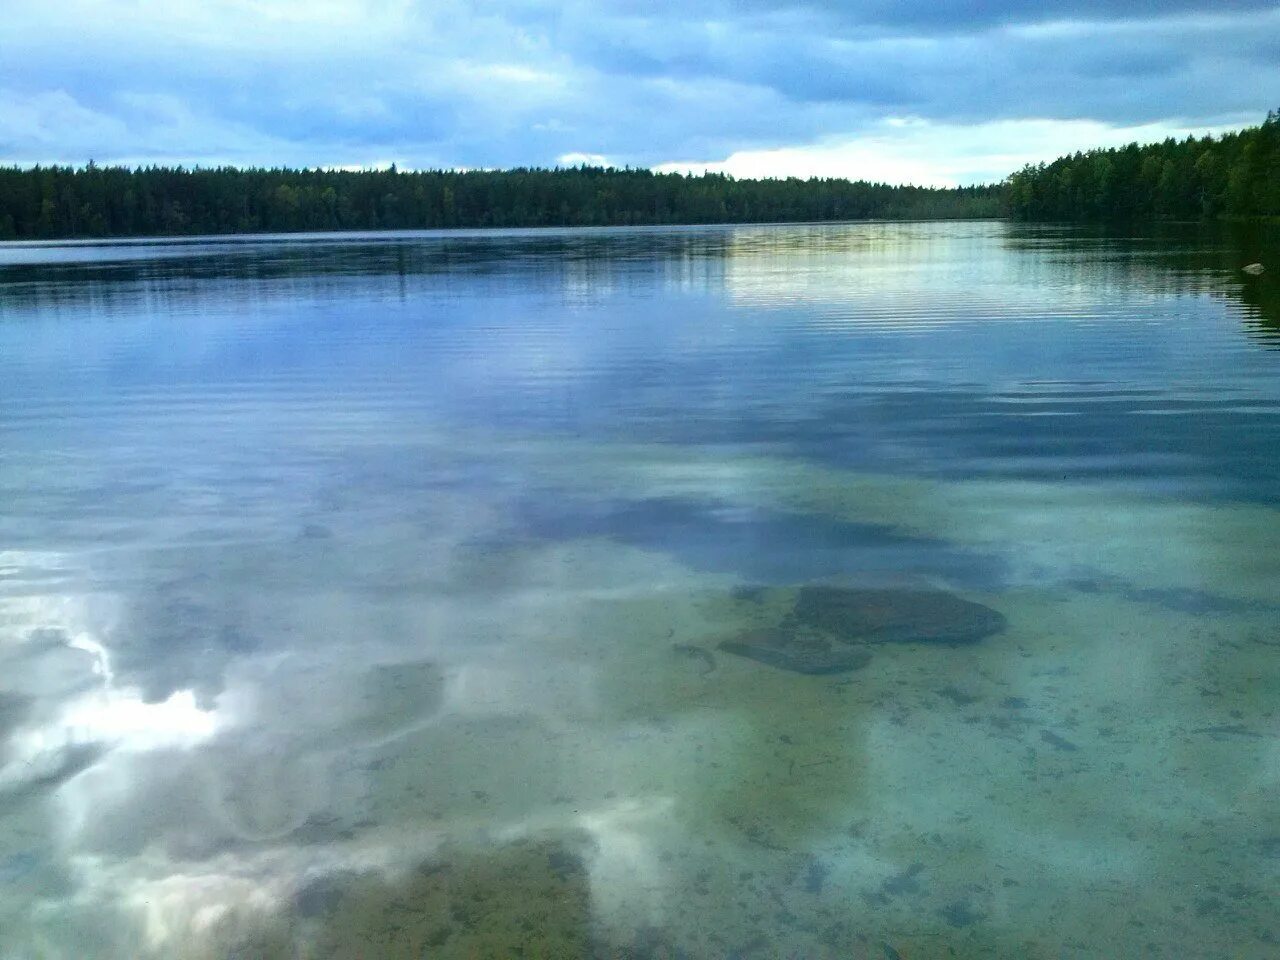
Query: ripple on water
369	592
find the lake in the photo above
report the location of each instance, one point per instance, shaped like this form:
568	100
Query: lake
450	594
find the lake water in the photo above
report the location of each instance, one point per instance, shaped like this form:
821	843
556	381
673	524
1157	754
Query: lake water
363	595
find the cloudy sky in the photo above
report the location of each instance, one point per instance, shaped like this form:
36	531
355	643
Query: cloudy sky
948	91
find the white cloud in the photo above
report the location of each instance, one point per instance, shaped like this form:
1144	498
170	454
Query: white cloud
766	87
580	159
50	119
911	150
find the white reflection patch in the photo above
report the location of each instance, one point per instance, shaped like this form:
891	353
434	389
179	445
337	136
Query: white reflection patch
124	720
628	882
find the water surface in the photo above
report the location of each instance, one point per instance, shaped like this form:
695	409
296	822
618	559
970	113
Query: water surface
361	595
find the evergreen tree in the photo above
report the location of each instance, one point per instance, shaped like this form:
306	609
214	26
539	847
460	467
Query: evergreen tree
1236	175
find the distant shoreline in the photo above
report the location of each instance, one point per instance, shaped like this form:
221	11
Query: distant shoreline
1226	178
390	235
91	202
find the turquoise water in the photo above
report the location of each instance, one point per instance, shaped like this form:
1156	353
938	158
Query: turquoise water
363	595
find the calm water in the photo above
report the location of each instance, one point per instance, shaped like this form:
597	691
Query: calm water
361	596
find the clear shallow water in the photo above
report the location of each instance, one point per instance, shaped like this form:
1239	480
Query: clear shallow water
348	586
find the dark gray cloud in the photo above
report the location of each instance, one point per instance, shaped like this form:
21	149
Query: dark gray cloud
503	82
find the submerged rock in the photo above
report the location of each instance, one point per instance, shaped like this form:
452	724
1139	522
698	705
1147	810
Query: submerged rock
1254	269
896	615
527	898
789	649
831	629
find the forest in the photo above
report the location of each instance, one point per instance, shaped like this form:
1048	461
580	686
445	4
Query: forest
1235	176
102	201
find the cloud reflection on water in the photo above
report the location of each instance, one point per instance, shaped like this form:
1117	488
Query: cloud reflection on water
293	632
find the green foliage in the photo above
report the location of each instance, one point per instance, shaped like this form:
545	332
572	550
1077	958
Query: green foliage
1236	175
93	201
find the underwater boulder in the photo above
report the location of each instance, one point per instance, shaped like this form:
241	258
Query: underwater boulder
1254	269
797	651
832	629
895	615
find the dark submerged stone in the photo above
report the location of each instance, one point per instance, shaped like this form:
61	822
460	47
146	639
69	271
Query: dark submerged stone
895	615
830	629
789	649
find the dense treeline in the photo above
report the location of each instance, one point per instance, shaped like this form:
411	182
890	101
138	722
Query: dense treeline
95	201
1236	175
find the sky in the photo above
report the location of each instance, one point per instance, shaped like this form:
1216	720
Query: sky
943	92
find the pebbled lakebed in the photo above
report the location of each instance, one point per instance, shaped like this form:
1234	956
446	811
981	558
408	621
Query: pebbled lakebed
861	590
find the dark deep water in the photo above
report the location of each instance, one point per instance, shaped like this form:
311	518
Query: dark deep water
362	595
